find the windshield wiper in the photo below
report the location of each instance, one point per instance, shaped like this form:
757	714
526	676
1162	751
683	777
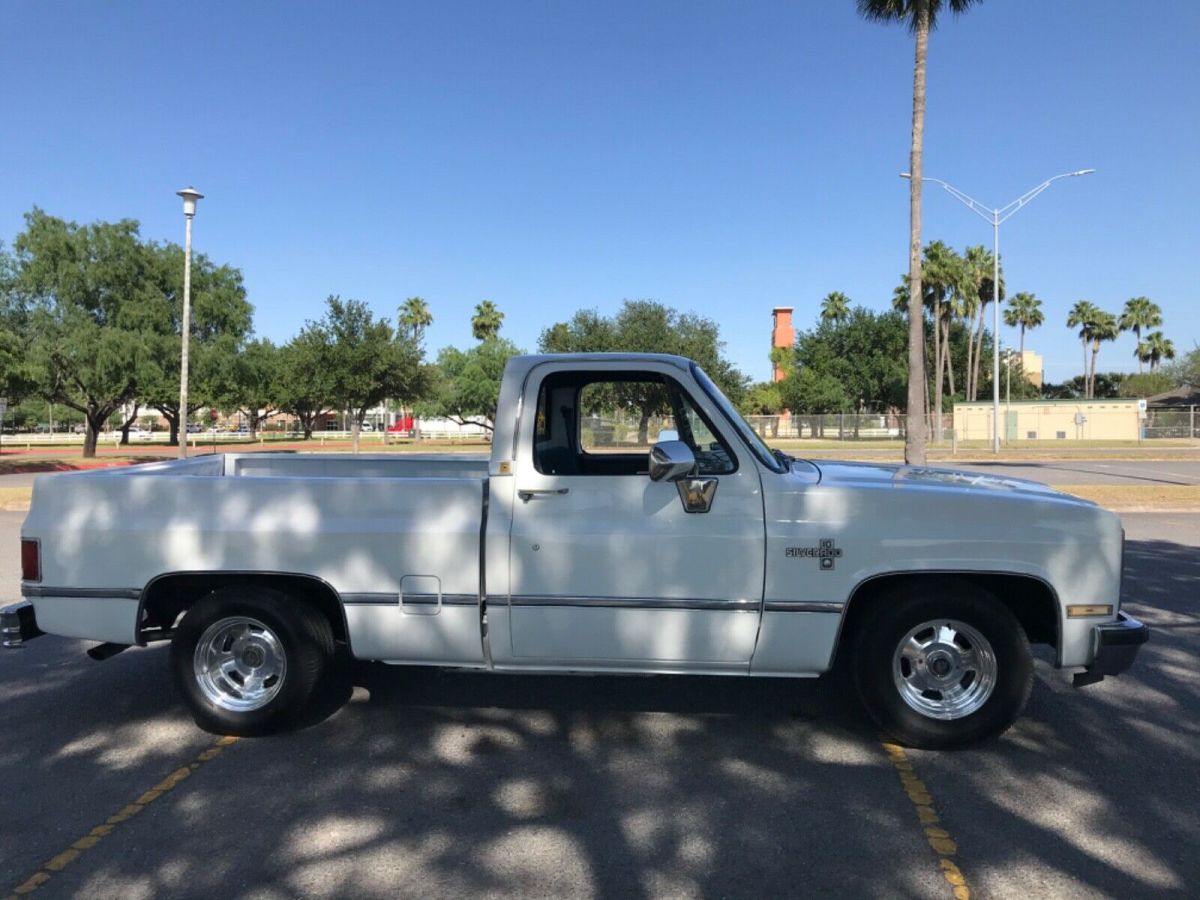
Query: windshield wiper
786	459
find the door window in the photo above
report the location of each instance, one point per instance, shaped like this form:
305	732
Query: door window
604	423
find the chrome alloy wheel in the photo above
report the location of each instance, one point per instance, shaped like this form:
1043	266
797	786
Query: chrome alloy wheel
944	669
239	664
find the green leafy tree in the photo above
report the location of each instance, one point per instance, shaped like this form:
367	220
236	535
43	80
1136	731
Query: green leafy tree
1146	384
1024	312
764	399
413	318
252	383
1186	370
485	324
864	354
1103	386
920	16
835	307
304	387
221	319
466	383
807	391
92	314
365	361
16	375
1139	313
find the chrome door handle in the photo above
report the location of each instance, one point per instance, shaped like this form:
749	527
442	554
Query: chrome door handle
528	494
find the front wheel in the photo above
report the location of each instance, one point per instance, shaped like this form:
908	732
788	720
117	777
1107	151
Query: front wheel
246	660
943	665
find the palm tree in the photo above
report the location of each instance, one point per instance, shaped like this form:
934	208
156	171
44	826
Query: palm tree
921	18
486	321
1158	348
944	275
979	271
1139	313
1024	312
835	307
1081	316
1103	327
414	317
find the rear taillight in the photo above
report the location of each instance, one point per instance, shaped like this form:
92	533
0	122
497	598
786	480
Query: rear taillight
31	560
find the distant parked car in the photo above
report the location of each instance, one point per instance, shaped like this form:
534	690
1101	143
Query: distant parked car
194	428
366	426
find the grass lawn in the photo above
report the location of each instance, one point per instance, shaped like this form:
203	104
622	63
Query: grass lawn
1130	497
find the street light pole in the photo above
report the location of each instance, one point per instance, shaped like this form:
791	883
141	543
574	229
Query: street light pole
190	195
996	217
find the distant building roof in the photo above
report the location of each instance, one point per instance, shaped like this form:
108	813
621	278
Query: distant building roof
1182	396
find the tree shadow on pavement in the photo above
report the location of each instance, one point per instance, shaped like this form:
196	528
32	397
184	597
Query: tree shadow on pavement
410	781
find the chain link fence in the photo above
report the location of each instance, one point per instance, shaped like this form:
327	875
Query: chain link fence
1173	423
1091	422
836	426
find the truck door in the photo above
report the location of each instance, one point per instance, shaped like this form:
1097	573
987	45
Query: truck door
610	569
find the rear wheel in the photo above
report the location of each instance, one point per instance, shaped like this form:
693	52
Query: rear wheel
942	664
246	660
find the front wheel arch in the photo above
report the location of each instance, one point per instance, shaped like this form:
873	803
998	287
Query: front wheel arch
1031	599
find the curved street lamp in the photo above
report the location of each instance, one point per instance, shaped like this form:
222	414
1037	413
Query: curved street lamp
996	217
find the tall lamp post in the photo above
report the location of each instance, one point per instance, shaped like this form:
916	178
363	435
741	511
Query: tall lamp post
190	195
996	217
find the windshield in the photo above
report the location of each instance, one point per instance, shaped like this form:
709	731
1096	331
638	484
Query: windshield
760	449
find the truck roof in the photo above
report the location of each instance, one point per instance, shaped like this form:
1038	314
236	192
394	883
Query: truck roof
524	363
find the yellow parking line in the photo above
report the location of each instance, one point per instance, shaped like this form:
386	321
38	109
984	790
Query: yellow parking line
88	841
939	839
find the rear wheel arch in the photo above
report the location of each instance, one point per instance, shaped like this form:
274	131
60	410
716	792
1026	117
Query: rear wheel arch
1031	600
166	597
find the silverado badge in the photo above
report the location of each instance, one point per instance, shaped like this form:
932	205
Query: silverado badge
825	551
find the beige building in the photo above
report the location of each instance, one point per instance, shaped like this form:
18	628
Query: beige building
1051	420
1031	365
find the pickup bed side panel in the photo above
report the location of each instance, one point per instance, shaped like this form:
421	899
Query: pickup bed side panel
402	553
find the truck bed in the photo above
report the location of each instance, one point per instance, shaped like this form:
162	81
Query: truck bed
373	528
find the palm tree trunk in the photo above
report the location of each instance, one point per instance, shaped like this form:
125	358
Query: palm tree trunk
1022	341
1137	336
1092	376
978	353
949	358
938	372
914	426
1086	379
970	389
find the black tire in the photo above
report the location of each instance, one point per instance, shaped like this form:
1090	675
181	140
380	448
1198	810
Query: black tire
301	632
893	616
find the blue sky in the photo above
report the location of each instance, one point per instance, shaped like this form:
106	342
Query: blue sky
723	158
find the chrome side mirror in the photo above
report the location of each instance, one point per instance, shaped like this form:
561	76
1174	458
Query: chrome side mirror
671	461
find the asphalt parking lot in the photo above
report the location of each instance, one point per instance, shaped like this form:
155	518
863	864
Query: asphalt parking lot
430	783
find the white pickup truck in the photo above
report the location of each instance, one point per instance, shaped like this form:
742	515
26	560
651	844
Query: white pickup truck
580	546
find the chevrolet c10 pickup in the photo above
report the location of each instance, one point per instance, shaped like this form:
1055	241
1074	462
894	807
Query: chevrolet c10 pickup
584	544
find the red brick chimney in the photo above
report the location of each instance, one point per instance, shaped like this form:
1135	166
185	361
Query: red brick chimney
782	335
